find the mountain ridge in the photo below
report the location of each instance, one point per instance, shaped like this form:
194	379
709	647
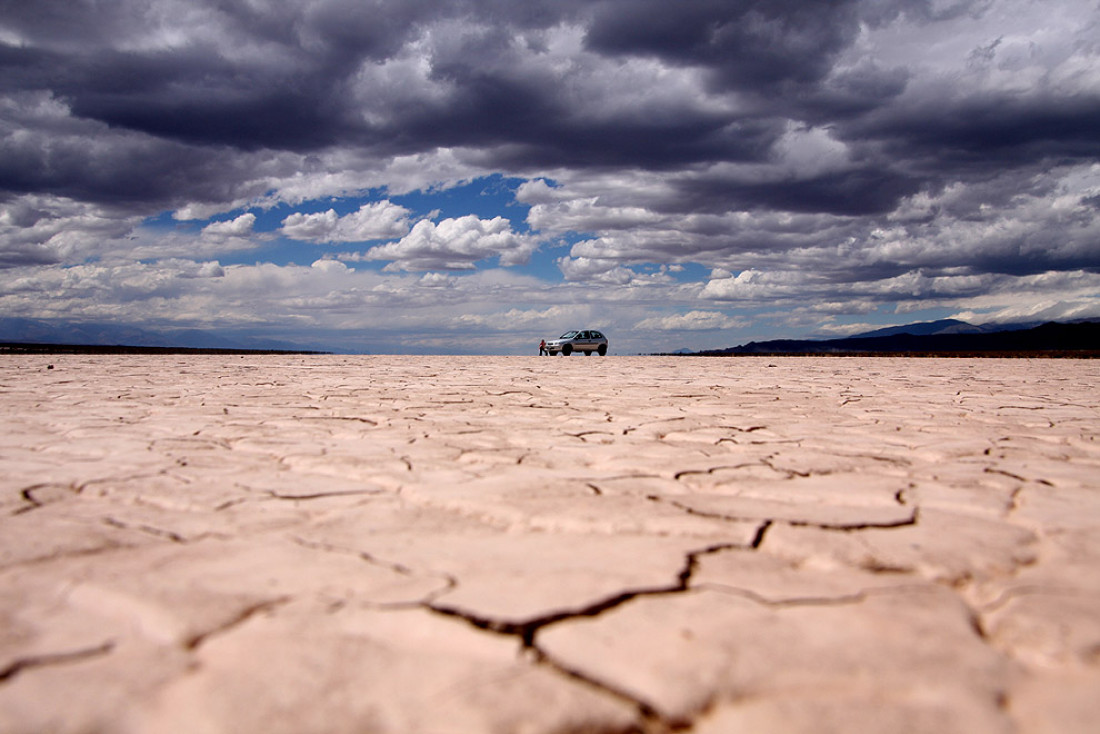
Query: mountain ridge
98	334
944	337
942	326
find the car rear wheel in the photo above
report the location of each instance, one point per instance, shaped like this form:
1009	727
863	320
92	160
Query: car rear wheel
602	349
567	350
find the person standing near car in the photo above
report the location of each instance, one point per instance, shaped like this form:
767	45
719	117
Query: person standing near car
542	348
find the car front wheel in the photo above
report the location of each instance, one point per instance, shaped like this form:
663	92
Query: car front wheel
567	350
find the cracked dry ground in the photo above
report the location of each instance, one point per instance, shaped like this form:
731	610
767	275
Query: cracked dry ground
373	544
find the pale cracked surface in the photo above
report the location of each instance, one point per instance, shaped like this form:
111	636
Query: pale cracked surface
383	544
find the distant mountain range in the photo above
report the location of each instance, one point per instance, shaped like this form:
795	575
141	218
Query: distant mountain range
949	336
36	332
943	326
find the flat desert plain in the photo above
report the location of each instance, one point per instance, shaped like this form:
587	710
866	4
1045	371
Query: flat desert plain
513	544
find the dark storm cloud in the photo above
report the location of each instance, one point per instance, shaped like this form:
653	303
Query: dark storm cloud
995	131
287	91
232	78
87	161
849	193
294	95
845	95
754	44
191	94
25	254
522	124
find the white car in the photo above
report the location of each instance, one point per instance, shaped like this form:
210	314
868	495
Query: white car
578	341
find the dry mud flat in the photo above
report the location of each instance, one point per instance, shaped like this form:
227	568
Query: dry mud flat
374	544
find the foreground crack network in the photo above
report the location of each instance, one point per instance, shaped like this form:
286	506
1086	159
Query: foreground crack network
527	631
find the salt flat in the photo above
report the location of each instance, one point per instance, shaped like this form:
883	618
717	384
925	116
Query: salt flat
515	544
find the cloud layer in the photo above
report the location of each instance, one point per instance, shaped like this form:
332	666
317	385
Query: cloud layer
821	161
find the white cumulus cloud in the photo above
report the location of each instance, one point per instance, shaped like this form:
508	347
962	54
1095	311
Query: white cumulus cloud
595	270
239	227
690	321
517	318
380	220
456	244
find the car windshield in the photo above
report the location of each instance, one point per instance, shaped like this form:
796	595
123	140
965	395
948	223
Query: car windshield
568	335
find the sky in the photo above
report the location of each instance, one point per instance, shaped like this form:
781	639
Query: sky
469	176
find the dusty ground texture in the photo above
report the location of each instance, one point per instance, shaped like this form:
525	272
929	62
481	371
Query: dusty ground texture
372	544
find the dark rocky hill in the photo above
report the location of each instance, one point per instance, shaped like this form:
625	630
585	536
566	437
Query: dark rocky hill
1052	339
